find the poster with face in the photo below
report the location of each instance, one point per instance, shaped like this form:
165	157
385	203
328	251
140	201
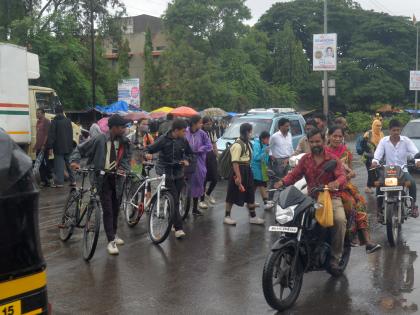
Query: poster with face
129	91
325	52
414	80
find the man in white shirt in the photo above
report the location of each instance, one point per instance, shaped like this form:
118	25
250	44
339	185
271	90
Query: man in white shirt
396	150
281	149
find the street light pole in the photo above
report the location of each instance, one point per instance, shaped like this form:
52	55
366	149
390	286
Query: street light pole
325	107
417	68
92	35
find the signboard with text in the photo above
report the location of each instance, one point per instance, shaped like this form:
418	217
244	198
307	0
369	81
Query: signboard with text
325	52
414	80
129	91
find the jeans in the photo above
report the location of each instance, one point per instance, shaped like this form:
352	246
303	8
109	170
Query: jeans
110	207
175	187
61	161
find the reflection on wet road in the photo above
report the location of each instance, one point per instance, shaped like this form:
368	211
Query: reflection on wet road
217	269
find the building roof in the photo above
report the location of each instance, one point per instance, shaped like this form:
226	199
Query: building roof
144	21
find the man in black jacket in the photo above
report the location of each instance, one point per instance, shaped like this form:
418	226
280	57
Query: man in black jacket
174	154
60	140
109	152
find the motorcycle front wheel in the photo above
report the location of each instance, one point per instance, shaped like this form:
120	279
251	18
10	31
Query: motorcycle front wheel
393	227
281	284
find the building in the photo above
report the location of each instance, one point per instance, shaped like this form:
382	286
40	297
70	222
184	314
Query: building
134	30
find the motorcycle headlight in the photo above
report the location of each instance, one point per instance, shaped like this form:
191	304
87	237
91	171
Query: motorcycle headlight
391	181
284	216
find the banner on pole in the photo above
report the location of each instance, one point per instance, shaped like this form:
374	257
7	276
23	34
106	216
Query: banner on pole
325	52
129	91
414	80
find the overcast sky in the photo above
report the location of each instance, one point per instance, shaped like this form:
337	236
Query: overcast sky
258	7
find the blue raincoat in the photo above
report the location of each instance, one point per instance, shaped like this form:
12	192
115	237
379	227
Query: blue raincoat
260	155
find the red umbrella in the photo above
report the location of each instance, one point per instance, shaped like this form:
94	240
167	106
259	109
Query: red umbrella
157	115
184	111
136	116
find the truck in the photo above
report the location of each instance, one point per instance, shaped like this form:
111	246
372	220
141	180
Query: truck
19	101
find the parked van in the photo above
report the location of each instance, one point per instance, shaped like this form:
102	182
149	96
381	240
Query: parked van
261	120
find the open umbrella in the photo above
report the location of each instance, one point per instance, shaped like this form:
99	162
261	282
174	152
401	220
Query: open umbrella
184	111
164	109
157	115
136	116
214	112
103	124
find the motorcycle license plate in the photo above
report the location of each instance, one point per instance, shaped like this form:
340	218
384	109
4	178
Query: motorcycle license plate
284	229
395	188
13	308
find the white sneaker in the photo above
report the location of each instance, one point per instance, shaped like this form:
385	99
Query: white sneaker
180	234
257	204
211	200
112	248
118	240
203	205
256	220
268	206
229	221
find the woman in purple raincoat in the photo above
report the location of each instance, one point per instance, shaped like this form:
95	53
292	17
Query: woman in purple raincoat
200	144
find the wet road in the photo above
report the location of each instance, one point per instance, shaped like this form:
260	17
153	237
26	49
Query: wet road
217	269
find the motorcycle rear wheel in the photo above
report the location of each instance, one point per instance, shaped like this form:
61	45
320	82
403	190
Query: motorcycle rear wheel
344	261
278	272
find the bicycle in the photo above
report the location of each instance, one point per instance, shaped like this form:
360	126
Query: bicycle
159	207
86	216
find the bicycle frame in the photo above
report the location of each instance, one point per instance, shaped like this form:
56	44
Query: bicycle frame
146	183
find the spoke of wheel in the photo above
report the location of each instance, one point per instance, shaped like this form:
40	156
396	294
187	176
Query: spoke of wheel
281	292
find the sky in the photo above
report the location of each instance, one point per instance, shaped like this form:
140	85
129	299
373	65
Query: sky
258	7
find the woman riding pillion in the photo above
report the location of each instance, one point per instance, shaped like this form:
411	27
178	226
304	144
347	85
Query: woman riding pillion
109	152
353	201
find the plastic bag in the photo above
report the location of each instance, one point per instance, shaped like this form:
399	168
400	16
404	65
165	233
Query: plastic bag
324	215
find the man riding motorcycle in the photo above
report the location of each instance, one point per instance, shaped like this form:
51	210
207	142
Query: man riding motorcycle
310	167
396	150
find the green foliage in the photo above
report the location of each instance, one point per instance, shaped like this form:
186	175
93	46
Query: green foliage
359	121
404	118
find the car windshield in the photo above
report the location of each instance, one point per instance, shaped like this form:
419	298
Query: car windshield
412	130
258	126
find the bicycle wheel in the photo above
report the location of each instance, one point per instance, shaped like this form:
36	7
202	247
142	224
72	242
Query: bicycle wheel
184	203
133	214
160	223
91	229
68	219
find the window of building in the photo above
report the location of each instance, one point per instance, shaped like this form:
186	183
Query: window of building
160	47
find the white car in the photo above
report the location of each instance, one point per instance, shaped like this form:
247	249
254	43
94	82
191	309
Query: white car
412	130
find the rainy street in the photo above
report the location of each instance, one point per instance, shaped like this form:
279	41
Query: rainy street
217	269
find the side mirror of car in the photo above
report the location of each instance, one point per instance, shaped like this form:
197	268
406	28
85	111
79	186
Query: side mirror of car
330	166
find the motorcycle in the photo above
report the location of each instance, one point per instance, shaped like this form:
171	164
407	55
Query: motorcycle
394	202
303	246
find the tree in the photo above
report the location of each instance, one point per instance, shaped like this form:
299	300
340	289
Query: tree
124	59
290	62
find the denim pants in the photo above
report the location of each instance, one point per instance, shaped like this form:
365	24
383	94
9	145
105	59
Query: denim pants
61	161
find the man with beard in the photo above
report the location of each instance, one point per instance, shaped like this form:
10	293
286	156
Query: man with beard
311	167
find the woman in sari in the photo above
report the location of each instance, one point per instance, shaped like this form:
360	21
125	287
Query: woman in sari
370	141
354	203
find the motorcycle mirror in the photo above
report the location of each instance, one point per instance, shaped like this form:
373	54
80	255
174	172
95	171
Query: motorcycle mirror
330	166
417	156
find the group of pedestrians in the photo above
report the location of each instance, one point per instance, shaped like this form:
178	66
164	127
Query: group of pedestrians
54	139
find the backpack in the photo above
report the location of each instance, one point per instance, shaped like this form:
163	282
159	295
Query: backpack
361	143
224	165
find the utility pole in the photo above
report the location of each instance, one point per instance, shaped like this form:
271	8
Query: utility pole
325	107
92	35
